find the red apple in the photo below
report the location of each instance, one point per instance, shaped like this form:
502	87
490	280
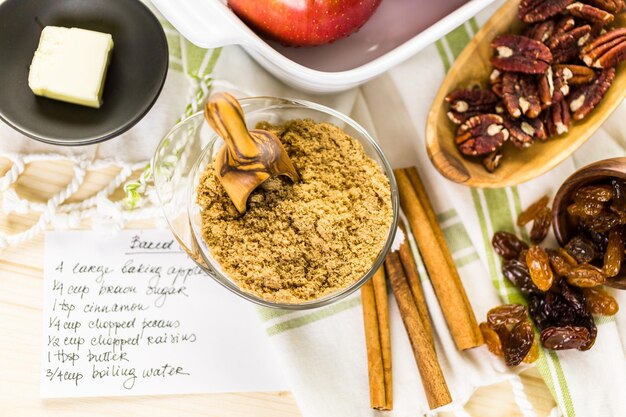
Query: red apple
304	22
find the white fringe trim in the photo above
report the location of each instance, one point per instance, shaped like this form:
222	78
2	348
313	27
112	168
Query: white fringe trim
520	397
104	213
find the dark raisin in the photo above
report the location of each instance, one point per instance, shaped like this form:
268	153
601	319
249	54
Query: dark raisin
588	323
551	310
619	282
541	225
517	272
517	343
600	240
574	297
507	245
568	337
537	310
563	306
619	196
581	249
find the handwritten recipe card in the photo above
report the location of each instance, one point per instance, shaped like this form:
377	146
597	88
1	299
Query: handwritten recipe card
131	314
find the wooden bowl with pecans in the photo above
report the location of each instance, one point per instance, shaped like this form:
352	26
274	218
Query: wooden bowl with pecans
505	127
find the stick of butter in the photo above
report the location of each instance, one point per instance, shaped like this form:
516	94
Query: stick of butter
70	64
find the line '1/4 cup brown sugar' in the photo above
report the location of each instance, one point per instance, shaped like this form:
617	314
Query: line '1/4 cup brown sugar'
301	241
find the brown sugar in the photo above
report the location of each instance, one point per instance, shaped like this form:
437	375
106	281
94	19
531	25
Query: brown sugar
301	241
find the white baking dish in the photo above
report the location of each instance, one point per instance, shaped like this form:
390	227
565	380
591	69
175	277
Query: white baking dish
396	31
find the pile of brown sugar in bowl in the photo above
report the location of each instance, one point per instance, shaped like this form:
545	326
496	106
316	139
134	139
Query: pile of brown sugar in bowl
301	241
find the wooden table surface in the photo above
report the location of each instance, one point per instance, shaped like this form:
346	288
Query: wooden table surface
21	278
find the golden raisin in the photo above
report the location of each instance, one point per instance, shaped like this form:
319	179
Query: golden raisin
567	257
585	276
533	353
614	254
538	263
600	193
559	263
492	340
531	212
600	302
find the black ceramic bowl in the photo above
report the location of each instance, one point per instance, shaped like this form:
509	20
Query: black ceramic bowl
134	80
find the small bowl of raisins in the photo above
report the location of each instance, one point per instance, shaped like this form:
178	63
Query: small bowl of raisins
590	217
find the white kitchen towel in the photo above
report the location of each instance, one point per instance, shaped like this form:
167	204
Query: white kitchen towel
323	351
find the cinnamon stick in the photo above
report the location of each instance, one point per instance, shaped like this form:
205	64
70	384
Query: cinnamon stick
433	381
415	284
453	300
380	292
377	340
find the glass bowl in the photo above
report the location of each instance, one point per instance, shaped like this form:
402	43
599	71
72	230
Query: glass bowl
184	153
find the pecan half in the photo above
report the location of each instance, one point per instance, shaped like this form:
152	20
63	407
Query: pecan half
520	54
611	6
587	12
492	161
597	29
564	24
575	74
557	118
540	31
520	95
565	46
545	86
561	82
531	11
605	51
481	134
523	132
585	99
495	81
465	103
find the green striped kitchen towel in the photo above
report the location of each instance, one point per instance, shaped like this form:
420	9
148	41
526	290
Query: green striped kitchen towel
323	351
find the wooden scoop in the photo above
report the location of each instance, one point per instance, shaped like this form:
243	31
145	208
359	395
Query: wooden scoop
249	157
517	166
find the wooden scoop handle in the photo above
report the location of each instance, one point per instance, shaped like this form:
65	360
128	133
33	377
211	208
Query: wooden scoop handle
225	116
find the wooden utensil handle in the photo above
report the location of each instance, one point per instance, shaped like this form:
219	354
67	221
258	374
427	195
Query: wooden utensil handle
225	116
